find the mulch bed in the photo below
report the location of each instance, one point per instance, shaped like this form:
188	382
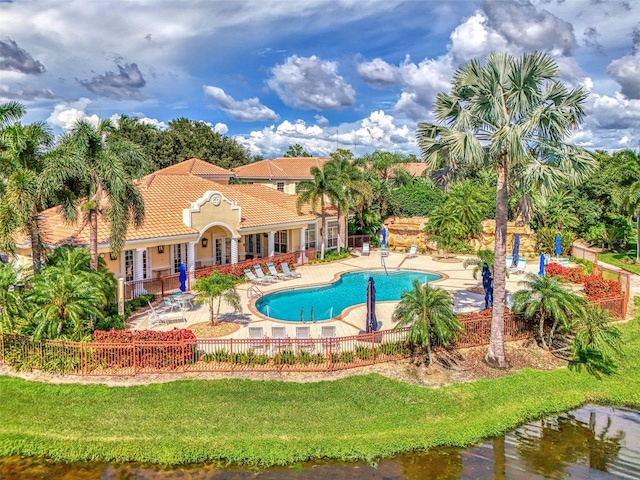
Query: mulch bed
206	330
447	259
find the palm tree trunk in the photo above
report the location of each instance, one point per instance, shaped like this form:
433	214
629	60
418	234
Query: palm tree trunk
552	332
541	330
428	354
93	238
339	232
323	232
34	235
638	236
496	356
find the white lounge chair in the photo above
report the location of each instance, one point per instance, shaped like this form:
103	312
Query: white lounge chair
520	268
257	339
260	274
156	317
287	271
413	251
275	273
327	335
304	341
253	279
279	339
365	248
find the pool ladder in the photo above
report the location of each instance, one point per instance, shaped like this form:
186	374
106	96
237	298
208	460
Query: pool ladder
384	264
253	291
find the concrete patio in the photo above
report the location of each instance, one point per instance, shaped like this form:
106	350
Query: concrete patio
456	279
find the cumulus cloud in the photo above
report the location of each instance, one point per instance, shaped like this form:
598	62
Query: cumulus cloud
626	70
311	83
126	84
321	120
475	38
378	73
12	57
220	128
66	115
24	93
250	110
522	24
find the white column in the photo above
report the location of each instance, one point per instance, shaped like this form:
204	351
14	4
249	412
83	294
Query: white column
138	270
191	259
303	240
234	250
271	248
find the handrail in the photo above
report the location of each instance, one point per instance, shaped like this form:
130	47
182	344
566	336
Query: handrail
253	291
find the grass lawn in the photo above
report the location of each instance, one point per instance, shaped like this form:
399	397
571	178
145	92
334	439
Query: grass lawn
618	260
269	422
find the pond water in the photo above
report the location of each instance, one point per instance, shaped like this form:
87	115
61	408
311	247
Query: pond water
589	443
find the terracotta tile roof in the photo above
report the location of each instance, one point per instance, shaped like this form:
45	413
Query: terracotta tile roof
414	168
195	166
167	195
283	168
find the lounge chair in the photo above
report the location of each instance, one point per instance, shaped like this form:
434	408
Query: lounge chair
365	248
508	259
257	339
275	273
520	268
279	339
413	251
260	274
304	341
287	271
253	279
156	317
383	251
328	335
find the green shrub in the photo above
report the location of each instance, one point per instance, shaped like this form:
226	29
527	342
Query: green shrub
364	353
286	357
346	357
304	357
317	358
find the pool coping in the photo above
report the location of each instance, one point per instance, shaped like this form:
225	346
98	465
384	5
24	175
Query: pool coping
344	313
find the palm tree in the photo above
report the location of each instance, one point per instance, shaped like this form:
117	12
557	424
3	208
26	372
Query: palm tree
22	200
511	114
89	175
66	301
429	313
10	299
627	195
314	192
221	287
483	256
596	342
547	299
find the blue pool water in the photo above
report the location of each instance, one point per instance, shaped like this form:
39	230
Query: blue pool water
329	301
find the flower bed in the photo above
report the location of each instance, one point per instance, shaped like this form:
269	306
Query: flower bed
595	287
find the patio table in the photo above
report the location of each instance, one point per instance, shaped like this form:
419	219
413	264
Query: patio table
185	299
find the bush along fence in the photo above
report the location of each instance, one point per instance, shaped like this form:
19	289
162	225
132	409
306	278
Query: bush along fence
167	284
179	351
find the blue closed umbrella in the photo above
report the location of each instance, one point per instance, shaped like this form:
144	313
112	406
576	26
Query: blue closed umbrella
558	246
183	278
516	249
487	284
542	263
384	236
372	321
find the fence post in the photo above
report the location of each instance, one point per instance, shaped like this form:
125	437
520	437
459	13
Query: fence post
373	347
231	353
135	356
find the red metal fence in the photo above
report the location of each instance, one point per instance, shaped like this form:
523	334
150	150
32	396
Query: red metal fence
228	355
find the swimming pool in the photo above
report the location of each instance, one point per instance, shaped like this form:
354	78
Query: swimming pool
328	301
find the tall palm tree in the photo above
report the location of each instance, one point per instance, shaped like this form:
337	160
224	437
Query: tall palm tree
511	114
89	175
315	192
429	313
221	287
23	197
627	195
547	299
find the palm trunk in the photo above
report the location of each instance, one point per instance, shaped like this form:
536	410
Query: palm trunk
638	236
428	354
323	232
34	235
339	232
552	332
93	238
496	356
541	331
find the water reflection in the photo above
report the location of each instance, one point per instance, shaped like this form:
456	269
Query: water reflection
592	442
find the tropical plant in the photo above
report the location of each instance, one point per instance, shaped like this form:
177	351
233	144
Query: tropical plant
296	150
482	257
89	176
217	286
11	303
546	239
313	192
428	312
627	194
547	300
511	114
596	343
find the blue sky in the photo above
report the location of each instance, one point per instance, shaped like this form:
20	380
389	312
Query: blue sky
351	74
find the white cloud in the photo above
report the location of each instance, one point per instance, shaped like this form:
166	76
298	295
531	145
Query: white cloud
220	128
311	83
474	39
250	110
66	115
626	71
378	73
321	120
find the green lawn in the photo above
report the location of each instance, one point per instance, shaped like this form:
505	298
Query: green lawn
616	259
268	422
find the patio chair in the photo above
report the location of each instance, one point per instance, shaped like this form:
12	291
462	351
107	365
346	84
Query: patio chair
287	271
257	339
520	268
260	274
383	251
275	273
328	335
413	251
279	339
253	279
365	248
304	341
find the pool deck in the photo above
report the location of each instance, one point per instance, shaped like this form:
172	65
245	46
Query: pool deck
456	279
